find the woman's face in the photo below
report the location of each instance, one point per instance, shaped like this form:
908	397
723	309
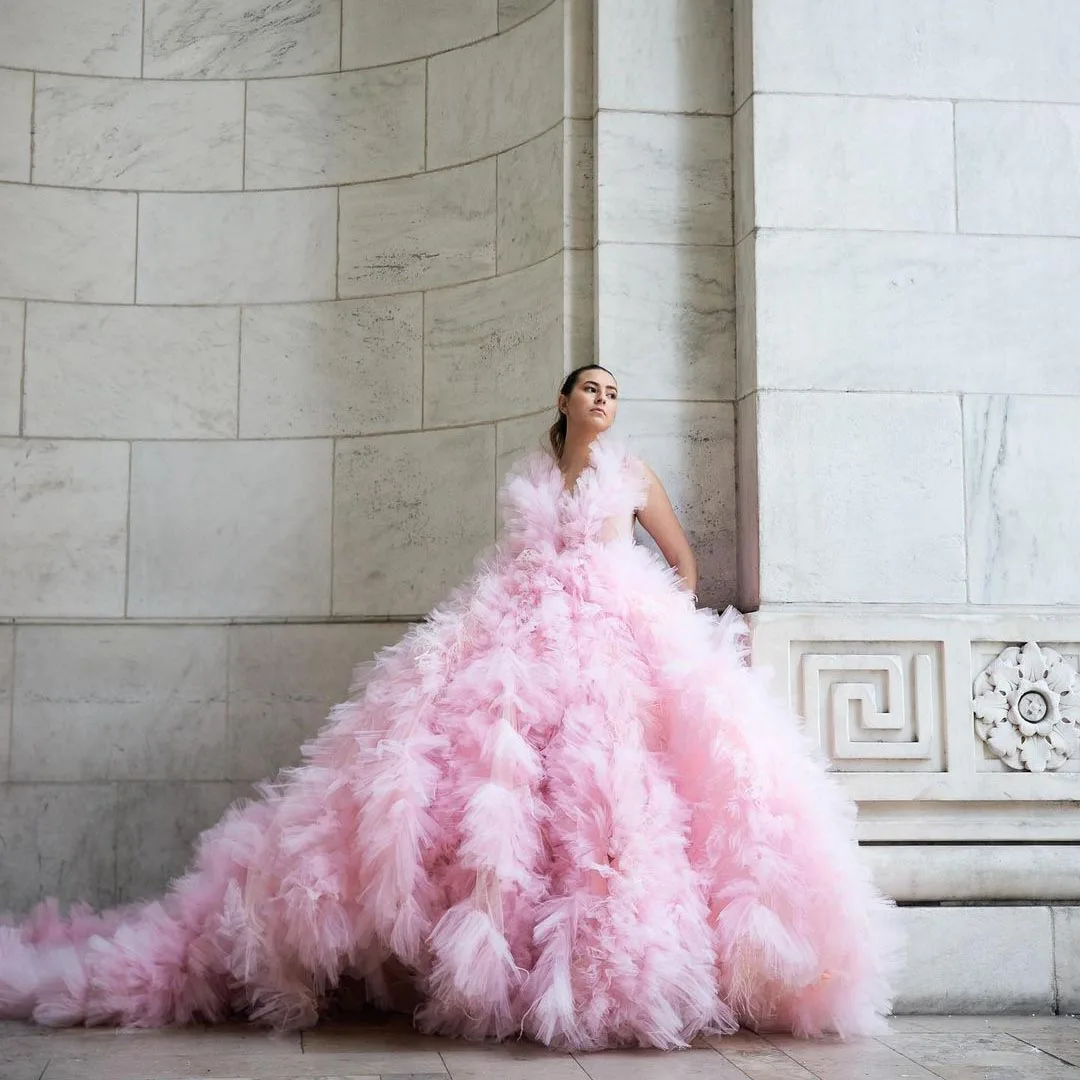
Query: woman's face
592	404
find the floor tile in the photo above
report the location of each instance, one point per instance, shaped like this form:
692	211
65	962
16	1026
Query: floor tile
1006	1023
392	1048
970	1049
1053	1070
1063	1044
695	1064
18	1065
953	1048
857	1059
375	1036
758	1059
175	1055
387	1048
915	1023
394	1064
514	1061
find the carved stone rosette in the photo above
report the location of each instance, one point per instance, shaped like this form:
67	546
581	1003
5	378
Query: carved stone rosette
1027	708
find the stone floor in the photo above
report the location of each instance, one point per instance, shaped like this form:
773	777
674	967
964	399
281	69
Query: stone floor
948	1048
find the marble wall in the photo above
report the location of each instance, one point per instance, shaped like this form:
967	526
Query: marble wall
281	290
908	231
907	228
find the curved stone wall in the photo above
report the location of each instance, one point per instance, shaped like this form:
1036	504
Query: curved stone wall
281	287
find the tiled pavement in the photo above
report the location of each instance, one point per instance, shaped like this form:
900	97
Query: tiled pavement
916	1048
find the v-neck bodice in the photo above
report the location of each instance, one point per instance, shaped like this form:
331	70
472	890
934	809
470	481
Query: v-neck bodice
541	512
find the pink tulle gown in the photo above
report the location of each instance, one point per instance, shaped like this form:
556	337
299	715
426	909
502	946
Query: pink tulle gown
561	807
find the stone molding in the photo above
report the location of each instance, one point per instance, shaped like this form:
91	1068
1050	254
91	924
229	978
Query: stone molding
1027	704
887	695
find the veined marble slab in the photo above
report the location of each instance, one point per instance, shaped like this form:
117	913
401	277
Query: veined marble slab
138	134
234	39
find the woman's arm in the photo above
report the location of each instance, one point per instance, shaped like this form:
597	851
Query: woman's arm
658	519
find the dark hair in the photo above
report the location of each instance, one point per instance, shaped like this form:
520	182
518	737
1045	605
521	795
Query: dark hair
557	431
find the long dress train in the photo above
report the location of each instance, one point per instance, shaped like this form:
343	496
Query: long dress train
561	806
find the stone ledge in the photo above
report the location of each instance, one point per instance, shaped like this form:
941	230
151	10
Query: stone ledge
976	873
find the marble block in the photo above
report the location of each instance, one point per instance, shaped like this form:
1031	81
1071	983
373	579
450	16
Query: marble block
256	247
579	176
691	448
956	957
1016	168
157	825
530	201
671	56
16	106
520	436
497	93
230	529
920	313
742	35
748	510
744	180
411	514
663	179
1067	958
666	317
353	367
11	365
580	58
512	12
971	873
7	687
579	309
63	545
102	38
1021	456
746	297
283	682
378	32
418	232
138	134
853	163
232	39
1014	50
100	703
861	498
335	129
59	840
67	245
131	372
494	348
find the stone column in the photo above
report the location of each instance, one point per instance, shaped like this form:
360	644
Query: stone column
909	426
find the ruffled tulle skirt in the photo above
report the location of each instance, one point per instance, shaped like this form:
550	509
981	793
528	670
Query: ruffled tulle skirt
561	807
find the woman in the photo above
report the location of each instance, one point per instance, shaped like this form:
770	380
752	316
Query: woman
561	807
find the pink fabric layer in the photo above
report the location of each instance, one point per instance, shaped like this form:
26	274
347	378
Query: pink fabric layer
562	806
